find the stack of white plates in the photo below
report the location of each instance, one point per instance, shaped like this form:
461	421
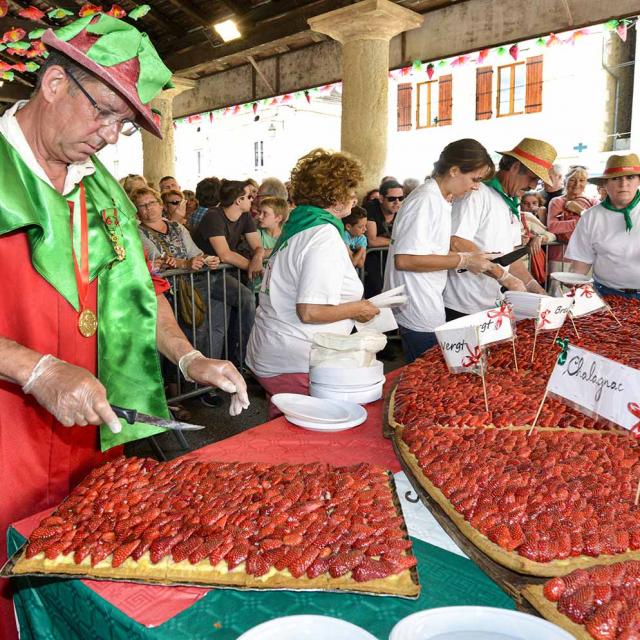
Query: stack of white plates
358	384
319	415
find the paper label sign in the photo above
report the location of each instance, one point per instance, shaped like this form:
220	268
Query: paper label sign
598	386
460	348
495	325
552	312
586	301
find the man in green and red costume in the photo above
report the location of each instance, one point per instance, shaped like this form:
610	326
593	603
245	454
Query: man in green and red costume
80	322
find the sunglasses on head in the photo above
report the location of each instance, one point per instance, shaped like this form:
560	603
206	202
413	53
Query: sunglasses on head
174	202
394	198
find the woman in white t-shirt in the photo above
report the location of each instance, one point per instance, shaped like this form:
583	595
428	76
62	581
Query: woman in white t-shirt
607	236
310	285
419	255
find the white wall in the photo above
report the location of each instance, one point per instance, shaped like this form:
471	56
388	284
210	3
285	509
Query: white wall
573	99
226	145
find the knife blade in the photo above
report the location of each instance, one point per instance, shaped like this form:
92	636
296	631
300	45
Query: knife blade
508	258
132	416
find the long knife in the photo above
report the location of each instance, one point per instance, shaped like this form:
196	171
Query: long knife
508	258
132	416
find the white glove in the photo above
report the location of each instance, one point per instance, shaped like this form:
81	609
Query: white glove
533	287
217	373
474	262
72	394
511	282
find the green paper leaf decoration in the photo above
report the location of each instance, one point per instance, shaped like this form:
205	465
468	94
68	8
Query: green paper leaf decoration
442	63
541	42
21	45
57	14
417	65
501	51
3	47
8	75
45	54
36	34
32	66
139	12
611	24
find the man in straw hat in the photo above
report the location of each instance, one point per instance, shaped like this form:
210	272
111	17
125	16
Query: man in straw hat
77	296
488	220
607	236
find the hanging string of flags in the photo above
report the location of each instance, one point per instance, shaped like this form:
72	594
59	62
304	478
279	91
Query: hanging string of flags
620	27
19	43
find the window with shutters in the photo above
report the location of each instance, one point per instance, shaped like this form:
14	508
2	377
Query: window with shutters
434	103
404	106
511	89
484	93
427	104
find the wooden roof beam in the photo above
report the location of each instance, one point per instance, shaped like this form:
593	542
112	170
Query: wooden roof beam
290	24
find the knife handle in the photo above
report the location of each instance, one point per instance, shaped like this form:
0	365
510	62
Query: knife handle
129	415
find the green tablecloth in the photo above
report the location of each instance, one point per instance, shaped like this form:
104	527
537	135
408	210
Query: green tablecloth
58	609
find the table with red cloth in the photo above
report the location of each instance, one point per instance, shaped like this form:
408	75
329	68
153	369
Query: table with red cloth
72	608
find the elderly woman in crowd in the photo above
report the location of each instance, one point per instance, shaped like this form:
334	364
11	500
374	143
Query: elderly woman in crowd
310	285
419	255
607	236
132	182
564	213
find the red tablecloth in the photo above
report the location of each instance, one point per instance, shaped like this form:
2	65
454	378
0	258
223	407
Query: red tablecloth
274	442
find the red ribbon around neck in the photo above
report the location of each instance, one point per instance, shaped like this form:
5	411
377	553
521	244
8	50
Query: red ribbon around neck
82	271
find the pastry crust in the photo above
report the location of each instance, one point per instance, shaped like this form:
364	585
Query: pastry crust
549	610
167	571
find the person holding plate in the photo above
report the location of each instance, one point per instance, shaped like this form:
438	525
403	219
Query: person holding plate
607	236
78	299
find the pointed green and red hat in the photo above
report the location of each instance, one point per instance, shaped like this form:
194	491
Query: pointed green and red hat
120	56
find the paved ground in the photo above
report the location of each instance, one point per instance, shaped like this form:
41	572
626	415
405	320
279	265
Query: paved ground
221	425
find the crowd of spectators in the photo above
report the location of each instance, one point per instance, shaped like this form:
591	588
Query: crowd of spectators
240	224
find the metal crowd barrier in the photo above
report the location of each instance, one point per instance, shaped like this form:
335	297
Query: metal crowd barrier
208	338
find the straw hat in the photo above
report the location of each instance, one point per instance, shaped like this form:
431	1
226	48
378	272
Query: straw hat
628	165
538	156
121	56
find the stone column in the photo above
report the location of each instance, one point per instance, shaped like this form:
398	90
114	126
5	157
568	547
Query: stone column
158	155
364	30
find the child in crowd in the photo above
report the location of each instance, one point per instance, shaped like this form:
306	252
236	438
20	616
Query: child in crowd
355	225
272	215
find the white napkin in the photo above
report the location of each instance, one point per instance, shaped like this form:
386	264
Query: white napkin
385	320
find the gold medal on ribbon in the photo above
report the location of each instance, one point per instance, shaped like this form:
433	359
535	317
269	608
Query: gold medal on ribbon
87	323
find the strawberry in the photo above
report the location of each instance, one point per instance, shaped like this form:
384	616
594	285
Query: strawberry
123	552
274	555
370	569
256	564
576	579
554	588
205	549
579	605
603	625
318	567
237	554
184	549
298	566
101	551
45	532
36	547
160	547
602	594
344	562
292	539
54	549
401	562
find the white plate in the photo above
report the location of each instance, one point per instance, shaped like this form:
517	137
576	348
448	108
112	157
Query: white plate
350	394
348	376
306	628
566	277
475	623
349	388
310	409
356	416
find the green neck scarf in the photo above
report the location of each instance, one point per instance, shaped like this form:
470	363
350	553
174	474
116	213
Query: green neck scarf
626	211
512	202
128	364
305	217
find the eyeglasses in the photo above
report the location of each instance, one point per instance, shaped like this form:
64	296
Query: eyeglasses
175	203
105	117
146	205
394	198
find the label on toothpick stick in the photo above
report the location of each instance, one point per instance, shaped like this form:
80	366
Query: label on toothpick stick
552	312
598	386
494	325
461	349
585	301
